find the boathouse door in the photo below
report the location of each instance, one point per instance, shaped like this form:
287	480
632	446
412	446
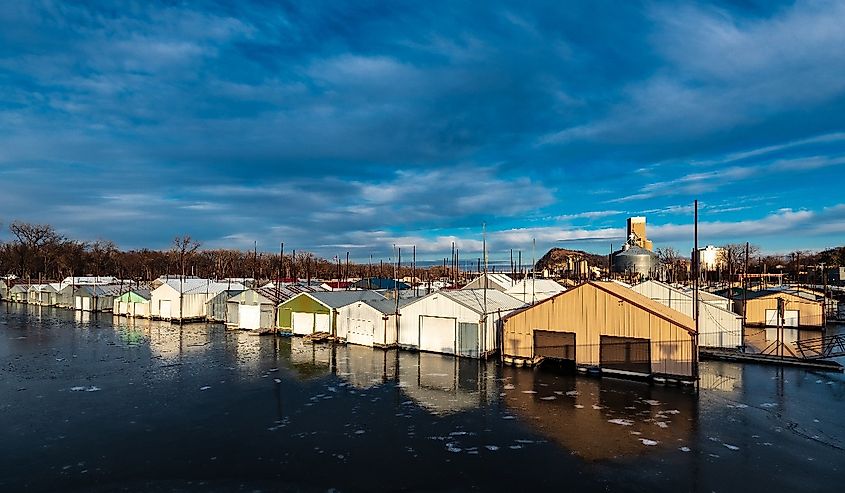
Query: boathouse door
625	353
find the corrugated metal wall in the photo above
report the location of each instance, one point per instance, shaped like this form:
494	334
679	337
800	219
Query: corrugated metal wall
810	312
590	312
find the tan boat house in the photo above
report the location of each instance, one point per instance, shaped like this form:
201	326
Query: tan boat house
603	325
799	309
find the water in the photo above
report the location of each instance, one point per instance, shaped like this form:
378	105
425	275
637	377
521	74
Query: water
101	404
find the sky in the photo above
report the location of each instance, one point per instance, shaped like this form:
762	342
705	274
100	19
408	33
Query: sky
355	126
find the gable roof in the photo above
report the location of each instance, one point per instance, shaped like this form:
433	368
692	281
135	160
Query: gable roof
474	300
751	295
493	279
629	296
337	299
385	306
100	290
527	286
201	286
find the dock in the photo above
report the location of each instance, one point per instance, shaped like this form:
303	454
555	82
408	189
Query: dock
768	359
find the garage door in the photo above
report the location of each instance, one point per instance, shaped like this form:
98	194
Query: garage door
554	345
625	353
360	332
86	304
164	309
790	318
249	317
438	334
267	317
77	302
322	322
468	339
302	323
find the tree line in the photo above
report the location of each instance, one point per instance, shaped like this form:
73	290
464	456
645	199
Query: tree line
738	258
38	251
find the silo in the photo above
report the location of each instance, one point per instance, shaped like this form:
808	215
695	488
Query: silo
634	260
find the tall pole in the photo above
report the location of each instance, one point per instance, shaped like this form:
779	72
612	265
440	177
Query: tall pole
744	293
457	266
533	268
398	273
278	280
696	269
484	252
414	269
347	270
452	268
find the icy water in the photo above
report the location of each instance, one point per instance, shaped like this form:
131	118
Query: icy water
104	404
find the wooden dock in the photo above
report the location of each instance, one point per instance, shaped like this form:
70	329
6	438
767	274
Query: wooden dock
768	359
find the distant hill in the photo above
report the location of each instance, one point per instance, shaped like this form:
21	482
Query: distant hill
557	259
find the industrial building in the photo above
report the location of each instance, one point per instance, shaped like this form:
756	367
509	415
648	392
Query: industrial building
711	258
463	322
604	325
635	259
717	327
307	313
636	233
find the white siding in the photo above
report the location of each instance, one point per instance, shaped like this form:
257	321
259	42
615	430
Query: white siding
717	327
413	335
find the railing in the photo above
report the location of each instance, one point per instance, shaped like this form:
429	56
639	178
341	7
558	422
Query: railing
822	347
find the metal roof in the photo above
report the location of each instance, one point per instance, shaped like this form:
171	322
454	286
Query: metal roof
198	286
474	300
526	287
337	299
631	297
380	283
634	251
645	303
750	295
503	280
283	294
101	290
387	307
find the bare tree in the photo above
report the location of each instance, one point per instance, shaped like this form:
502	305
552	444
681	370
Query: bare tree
184	248
670	262
32	240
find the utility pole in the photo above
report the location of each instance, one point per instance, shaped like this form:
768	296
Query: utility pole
533	268
484	252
744	293
697	269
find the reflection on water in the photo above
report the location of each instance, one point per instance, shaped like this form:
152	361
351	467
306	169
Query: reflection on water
438	383
601	418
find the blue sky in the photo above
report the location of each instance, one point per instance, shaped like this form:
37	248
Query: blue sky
353	126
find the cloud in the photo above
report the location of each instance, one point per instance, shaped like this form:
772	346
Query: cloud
354	126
